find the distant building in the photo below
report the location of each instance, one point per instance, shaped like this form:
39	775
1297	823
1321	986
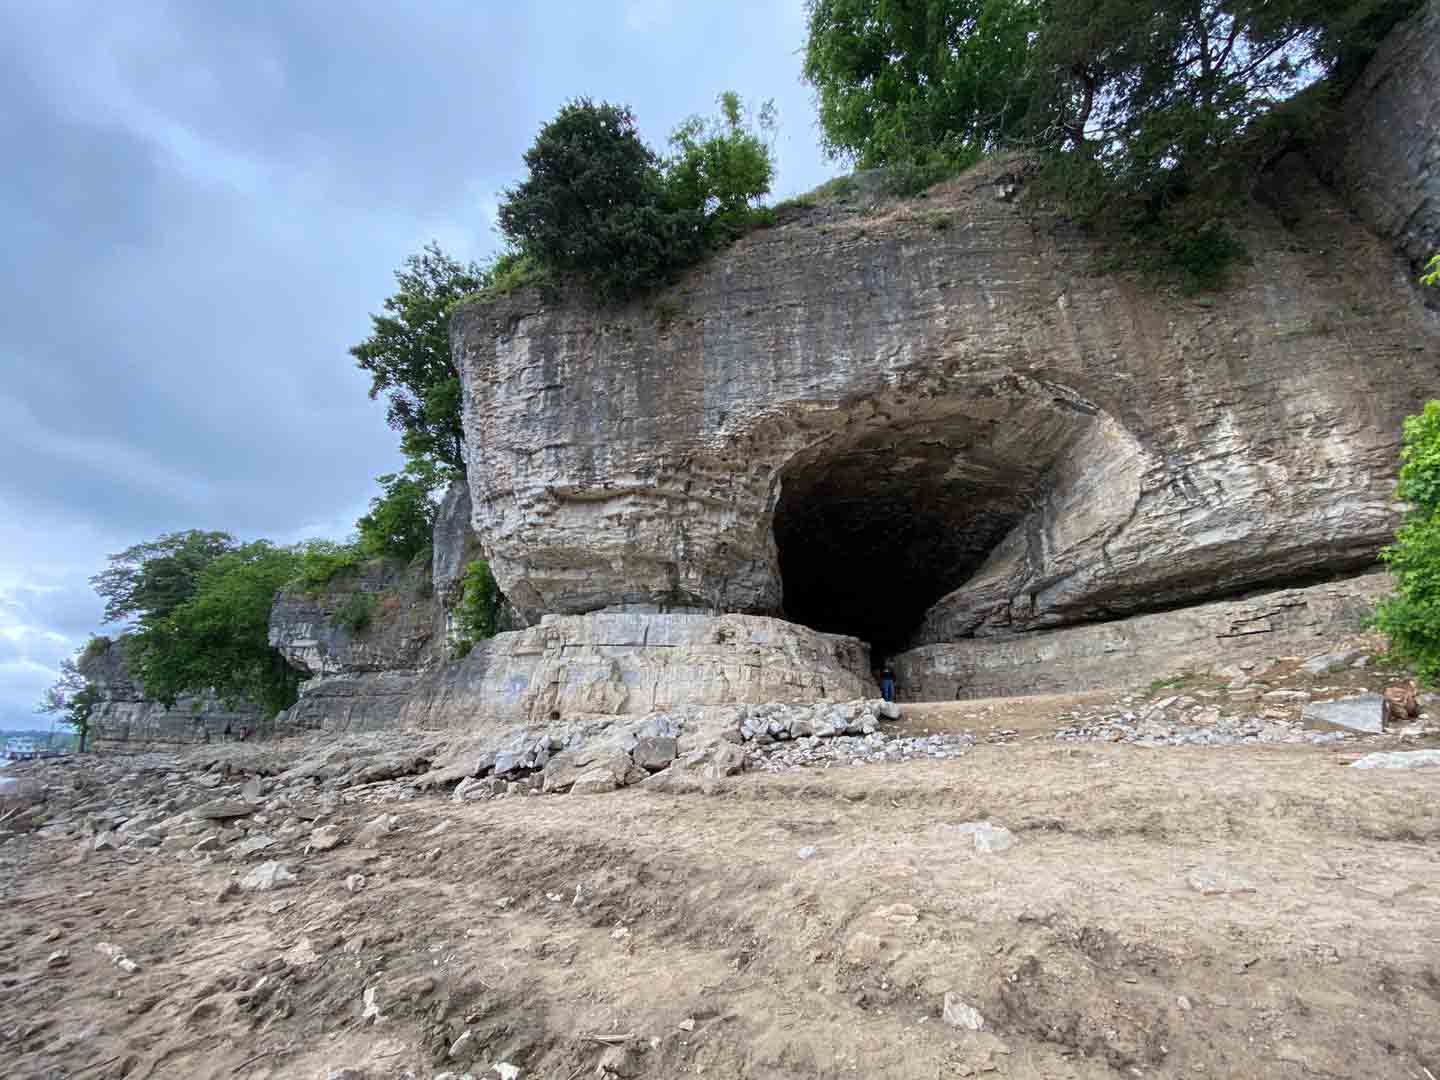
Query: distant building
21	749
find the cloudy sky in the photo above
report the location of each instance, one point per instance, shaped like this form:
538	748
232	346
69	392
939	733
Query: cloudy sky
201	202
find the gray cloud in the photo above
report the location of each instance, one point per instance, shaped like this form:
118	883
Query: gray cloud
203	202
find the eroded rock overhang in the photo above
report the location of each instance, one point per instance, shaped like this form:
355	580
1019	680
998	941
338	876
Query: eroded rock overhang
940	419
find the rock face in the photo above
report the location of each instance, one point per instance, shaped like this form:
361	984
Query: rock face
634	664
1387	154
307	627
1132	651
359	679
125	719
940	419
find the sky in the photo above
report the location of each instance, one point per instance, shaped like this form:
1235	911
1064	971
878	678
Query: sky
202	202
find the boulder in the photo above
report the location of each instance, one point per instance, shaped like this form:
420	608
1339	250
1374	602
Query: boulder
1360	712
267	876
222	810
654	752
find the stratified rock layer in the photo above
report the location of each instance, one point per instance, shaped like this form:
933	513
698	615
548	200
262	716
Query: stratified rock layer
607	664
1130	652
940	418
125	719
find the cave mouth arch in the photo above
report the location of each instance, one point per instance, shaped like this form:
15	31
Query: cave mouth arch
877	521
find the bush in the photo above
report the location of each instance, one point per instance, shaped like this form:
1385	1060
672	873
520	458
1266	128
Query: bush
600	206
320	561
355	612
1411	617
723	167
477	616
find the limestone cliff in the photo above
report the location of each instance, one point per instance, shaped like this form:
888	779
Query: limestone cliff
126	719
939	417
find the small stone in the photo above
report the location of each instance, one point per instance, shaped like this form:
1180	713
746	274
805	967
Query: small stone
1400	759
106	841
59	958
378	828
267	876
370	1006
210	842
324	838
462	1045
354	883
254	844
125	964
958	1014
1183	1003
987	837
1212	882
221	809
688	1024
807	852
253	790
505	1071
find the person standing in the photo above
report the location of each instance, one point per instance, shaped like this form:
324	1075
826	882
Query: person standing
887	683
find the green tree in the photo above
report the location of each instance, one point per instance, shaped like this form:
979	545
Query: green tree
478	614
401	521
1412	615
1145	116
73	698
595	206
723	166
408	355
900	82
149	580
218	639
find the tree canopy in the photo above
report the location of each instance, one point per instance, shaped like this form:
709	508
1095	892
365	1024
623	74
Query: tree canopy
401	519
408	355
148	581
1140	104
600	206
218	639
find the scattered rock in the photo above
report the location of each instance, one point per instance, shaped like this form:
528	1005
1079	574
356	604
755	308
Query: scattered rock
654	752
463	1045
1212	882
58	958
688	1024
105	841
372	833
960	1015
505	1071
1361	712
324	838
354	883
221	810
253	844
1400	759
594	782
987	837
370	1006
1331	661
1401	704
267	876
807	852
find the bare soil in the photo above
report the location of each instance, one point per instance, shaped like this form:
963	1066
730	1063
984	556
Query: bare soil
1250	911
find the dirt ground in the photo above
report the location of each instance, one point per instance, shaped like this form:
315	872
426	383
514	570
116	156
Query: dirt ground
1254	911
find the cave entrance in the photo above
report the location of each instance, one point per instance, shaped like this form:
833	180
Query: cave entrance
875	524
